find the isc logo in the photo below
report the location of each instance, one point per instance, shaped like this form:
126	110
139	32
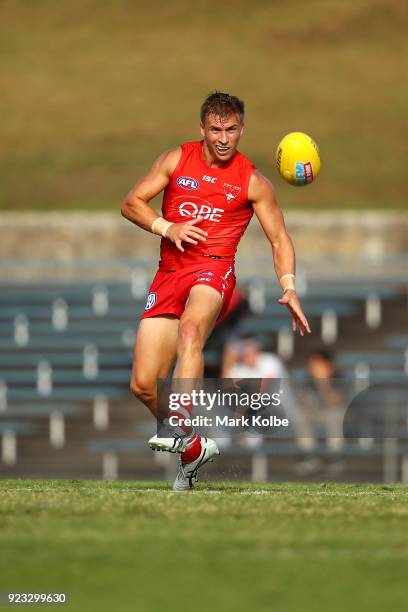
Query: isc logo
190	209
186	182
209	179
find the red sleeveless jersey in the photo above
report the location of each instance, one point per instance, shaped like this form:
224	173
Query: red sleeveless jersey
218	195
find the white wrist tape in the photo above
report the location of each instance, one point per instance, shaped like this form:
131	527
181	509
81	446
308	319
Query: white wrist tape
285	276
288	281
289	287
160	226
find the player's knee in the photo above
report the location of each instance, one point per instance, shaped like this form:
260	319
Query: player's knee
189	337
142	388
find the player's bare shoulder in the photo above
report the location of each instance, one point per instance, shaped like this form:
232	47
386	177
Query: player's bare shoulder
156	179
260	189
168	160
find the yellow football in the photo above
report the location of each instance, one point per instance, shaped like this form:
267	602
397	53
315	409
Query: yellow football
298	159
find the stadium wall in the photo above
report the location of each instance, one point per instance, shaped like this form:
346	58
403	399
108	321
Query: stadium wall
69	236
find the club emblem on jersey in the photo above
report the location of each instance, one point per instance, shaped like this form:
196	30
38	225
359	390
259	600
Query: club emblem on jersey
151	300
231	191
186	182
205	276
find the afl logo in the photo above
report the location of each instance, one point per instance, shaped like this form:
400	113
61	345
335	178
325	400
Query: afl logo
151	300
186	182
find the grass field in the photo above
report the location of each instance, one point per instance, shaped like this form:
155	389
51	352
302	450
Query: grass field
93	91
137	546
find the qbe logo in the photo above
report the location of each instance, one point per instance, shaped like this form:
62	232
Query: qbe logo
191	209
151	300
186	182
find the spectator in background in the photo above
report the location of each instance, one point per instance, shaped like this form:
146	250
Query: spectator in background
322	406
244	359
322	386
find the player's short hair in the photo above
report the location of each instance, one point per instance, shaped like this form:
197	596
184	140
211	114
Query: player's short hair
221	105
323	353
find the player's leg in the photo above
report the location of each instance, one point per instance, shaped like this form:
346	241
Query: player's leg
196	324
198	320
154	356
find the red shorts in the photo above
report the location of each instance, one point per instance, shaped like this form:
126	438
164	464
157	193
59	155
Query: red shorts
169	290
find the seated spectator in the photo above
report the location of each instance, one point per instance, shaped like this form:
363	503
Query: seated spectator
322	405
244	359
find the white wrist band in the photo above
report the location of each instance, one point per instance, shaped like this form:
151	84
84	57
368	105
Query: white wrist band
286	275
160	226
289	283
165	230
289	287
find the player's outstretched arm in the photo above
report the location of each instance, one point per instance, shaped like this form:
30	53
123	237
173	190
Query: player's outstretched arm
262	195
136	207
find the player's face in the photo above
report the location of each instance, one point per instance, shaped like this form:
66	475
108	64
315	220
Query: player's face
221	136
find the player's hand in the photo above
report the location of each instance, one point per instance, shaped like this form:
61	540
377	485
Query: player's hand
291	301
186	232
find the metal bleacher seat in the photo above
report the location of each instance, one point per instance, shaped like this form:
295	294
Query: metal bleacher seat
273	317
89	329
392	453
397	342
38	336
382	359
342	307
112	342
63	344
329	301
73	293
82	333
63	359
9	431
371	376
111	449
350	292
74	377
338	289
56	413
99	395
46	312
260	325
